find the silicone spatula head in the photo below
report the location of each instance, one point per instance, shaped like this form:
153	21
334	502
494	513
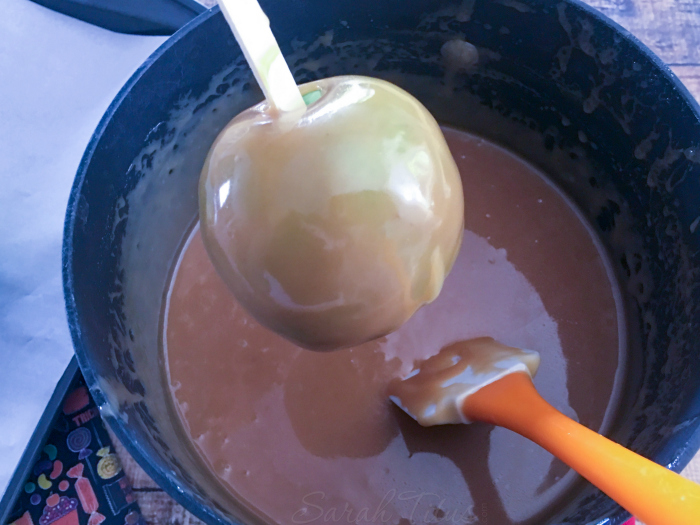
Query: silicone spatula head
434	392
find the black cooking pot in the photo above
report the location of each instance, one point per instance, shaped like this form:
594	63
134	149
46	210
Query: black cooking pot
555	82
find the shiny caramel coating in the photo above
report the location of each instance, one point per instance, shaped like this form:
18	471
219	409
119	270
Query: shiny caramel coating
332	228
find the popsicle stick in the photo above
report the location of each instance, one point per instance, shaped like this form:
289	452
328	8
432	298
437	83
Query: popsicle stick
251	28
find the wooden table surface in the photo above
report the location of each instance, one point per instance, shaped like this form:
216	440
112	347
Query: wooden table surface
670	28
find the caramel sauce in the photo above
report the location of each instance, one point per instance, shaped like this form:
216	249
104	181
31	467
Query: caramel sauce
310	437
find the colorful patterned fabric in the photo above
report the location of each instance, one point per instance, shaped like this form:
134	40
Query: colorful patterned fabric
78	479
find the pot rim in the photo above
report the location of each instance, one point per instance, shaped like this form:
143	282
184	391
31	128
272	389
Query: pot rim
165	480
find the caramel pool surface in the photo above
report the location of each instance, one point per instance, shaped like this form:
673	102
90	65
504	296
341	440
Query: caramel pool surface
310	437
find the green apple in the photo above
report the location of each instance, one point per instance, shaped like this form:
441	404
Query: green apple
333	228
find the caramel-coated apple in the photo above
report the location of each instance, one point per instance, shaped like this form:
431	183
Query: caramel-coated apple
334	227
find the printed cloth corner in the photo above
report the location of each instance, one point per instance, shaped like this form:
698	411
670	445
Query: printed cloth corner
78	478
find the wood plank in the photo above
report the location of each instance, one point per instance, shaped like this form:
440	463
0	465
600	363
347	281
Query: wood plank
671	28
690	76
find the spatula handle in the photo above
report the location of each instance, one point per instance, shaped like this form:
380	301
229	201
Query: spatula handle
654	494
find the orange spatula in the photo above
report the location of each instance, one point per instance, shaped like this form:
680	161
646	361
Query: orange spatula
483	380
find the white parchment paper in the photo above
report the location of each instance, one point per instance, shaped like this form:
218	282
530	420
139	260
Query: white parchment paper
57	77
